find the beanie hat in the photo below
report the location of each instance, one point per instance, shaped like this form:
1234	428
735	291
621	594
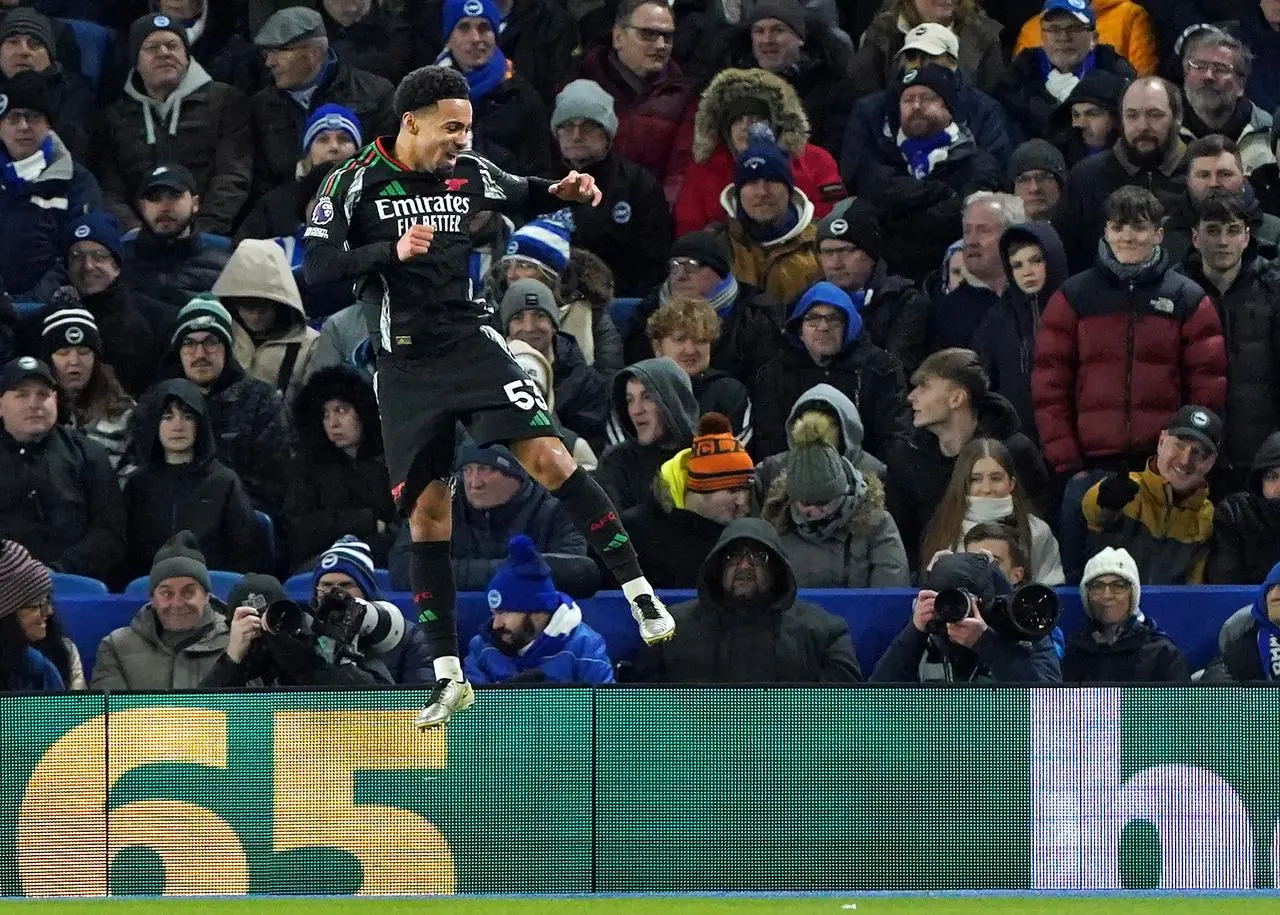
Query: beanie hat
24	21
1111	561
973	572
24	580
180	556
145	26
256	590
203	312
815	469
495	456
73	326
707	248
522	583
935	77
351	556
850	222
455	10
544	240
331	117
99	226
789	12
717	459
762	160
526	294
29	90
1037	154
583	99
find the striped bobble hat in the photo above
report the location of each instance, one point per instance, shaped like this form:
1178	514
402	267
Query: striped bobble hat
717	459
545	241
70	326
24	580
351	556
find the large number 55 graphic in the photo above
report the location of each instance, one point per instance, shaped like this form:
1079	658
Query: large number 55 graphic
525	394
65	842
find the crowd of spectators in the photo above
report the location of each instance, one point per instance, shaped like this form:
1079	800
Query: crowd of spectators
873	287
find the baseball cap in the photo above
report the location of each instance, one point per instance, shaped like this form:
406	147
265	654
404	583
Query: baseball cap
1199	424
174	177
22	369
933	39
1081	10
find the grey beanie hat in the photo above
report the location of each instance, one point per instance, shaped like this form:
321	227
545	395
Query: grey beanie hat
526	294
584	99
179	557
816	474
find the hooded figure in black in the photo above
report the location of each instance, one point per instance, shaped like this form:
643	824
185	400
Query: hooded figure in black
338	486
183	486
1246	525
747	626
1006	339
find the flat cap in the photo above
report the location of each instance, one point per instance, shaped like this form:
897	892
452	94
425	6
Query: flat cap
289	26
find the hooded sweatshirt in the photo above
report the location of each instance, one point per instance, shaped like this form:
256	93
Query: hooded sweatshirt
778	639
259	271
202	496
1131	651
1246	527
627	468
164	116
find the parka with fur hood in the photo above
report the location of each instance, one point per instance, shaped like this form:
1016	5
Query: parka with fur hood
330	492
732	93
258	271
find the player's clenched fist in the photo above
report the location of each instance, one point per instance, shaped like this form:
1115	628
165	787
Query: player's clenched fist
414	242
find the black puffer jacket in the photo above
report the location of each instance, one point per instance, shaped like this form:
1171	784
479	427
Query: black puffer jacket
59	498
203	497
330	492
1251	328
582	399
671	543
250	430
380	42
896	316
1006	339
166	273
130	344
1246	527
1143	654
513	128
1022	93
786	641
278	120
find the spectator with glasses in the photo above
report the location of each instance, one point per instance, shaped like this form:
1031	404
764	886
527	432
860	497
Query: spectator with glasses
1215	68
651	96
27	624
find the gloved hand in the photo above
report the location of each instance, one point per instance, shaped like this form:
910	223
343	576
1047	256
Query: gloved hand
1117	491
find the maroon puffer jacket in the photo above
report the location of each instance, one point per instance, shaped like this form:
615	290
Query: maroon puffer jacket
648	121
1115	360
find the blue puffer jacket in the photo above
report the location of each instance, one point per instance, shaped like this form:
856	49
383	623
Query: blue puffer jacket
35	217
36	674
567	651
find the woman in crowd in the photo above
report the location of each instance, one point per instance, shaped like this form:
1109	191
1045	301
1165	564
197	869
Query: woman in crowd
984	487
26	589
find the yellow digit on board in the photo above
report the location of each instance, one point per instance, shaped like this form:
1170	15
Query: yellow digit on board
316	757
65	844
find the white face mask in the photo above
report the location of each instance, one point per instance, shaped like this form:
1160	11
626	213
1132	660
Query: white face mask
984	508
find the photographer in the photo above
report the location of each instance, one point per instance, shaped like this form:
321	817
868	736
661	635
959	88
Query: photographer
969	650
275	642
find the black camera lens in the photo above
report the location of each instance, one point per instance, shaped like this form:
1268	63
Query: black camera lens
1034	610
284	617
952	605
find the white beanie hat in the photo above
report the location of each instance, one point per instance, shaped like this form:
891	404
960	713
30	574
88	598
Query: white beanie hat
1111	561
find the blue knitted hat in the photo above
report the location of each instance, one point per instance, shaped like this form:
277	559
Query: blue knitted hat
544	240
99	226
762	160
455	10
331	117
522	584
351	556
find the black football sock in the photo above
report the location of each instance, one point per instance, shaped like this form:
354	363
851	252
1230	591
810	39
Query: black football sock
435	596
595	515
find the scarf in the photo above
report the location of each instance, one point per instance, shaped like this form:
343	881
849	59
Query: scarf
1268	640
484	78
303	94
984	508
770	233
24	171
924	154
834	526
1131	274
1059	84
722	295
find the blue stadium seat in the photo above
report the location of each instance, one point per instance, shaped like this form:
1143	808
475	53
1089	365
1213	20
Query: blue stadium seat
221	582
95	43
66	585
268	529
27	309
623	313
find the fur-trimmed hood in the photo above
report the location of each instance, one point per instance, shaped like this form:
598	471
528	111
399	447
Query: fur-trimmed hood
861	524
786	112
588	279
339	382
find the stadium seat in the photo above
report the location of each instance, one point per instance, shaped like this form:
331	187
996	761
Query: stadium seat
623	313
75	587
27	309
221	582
268	529
95	42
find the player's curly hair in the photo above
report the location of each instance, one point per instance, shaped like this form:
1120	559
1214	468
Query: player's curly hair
427	85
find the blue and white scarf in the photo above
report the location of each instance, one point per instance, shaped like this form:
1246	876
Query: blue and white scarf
924	154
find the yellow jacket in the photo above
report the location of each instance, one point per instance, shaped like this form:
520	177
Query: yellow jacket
1123	24
1168	539
784	268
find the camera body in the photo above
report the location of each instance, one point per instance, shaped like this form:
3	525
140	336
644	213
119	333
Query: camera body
332	627
1028	614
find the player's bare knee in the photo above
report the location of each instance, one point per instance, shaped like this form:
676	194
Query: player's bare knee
432	514
546	460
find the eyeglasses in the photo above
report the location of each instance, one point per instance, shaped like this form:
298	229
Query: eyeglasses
755	557
1069	31
158	47
653	36
683	265
97	258
25	116
1209	67
207	345
43	608
1116	588
823	320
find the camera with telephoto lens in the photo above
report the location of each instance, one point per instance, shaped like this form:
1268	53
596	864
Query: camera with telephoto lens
333	626
1028	614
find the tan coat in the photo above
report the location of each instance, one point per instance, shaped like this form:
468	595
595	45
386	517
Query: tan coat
784	268
258	269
